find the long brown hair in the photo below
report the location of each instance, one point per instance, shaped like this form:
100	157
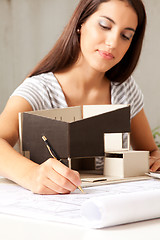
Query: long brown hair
66	50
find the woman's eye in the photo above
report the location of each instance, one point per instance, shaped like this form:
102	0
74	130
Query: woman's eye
126	37
104	24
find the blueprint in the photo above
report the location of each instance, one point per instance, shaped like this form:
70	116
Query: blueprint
100	206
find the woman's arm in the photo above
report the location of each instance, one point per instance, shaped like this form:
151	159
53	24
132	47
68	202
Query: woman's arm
51	177
142	139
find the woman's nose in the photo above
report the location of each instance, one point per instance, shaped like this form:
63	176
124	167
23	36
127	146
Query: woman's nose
112	40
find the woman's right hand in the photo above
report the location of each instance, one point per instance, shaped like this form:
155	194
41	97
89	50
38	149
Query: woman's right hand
53	177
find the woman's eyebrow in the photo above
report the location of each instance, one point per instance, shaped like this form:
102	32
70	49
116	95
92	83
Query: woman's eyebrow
111	20
131	29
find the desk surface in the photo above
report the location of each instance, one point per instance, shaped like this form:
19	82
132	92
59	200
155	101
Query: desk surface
18	228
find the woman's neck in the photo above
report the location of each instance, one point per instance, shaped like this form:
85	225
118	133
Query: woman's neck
83	78
84	86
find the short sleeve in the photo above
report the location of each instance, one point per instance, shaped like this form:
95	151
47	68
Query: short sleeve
34	91
134	96
128	93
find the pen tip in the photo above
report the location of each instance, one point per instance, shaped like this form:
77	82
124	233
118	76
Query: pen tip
81	189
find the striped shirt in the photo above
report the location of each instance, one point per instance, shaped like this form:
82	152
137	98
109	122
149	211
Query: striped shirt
44	92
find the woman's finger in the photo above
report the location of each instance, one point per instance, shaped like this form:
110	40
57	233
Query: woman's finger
152	160
62	184
64	171
155	166
42	189
54	187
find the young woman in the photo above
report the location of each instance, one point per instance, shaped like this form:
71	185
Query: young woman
91	63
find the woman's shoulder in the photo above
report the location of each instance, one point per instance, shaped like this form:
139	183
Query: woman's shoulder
41	78
129	82
37	90
128	93
129	85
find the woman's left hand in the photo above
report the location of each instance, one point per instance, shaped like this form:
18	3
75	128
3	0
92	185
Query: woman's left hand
154	163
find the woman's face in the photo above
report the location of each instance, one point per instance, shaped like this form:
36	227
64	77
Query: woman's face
107	34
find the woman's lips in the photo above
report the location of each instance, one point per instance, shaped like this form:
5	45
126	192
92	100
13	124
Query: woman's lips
106	55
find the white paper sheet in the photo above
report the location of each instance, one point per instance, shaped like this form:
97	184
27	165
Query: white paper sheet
100	207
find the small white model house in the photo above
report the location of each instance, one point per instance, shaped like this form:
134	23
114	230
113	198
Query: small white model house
121	162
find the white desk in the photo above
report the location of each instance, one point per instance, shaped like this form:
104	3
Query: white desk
17	228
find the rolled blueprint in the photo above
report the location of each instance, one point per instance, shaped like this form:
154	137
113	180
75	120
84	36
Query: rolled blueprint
123	208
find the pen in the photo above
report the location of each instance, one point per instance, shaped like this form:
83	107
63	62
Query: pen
54	154
50	149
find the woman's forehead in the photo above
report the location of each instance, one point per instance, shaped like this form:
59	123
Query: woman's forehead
119	11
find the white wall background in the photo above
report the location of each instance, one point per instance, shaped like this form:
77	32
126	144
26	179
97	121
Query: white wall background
29	28
147	73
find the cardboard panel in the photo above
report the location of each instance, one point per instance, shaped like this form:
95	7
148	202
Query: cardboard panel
94	110
112	142
126	164
136	163
69	114
85	140
87	135
34	127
